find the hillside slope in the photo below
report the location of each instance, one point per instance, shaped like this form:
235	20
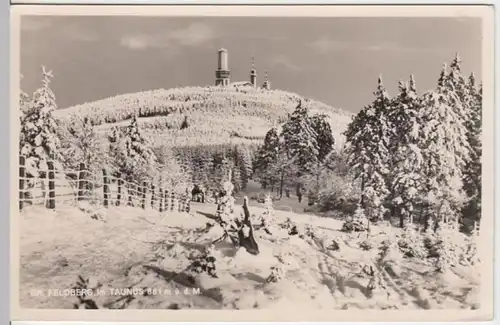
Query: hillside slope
215	115
133	248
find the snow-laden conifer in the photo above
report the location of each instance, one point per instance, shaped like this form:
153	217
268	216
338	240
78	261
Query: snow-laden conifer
134	156
445	149
38	135
472	173
405	147
367	147
300	139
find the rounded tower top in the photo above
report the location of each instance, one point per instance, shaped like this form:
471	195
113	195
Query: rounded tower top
222	50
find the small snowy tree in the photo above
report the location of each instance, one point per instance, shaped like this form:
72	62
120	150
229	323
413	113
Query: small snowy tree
204	262
133	154
470	254
359	222
169	170
82	145
268	218
246	164
446	247
225	213
411	241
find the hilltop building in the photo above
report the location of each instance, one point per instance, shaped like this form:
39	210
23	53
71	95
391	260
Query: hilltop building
223	74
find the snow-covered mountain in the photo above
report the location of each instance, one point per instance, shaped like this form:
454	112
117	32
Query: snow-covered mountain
215	115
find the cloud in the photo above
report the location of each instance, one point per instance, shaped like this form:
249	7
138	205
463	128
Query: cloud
196	34
284	61
136	42
326	45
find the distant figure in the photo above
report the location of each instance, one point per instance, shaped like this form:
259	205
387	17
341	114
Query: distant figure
198	194
299	193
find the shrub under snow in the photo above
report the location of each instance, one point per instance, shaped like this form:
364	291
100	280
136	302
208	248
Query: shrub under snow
359	222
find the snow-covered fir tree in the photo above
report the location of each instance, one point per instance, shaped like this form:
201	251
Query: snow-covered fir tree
226	212
472	172
325	141
411	241
405	151
82	145
133	155
470	254
324	135
267	219
169	171
456	83
446	248
445	149
267	157
300	139
246	164
367	149
38	134
358	222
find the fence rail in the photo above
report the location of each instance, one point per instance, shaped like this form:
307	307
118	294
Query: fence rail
56	186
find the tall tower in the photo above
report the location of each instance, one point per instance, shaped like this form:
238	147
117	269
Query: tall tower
222	73
253	74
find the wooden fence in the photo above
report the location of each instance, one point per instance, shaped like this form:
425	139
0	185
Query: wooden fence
51	187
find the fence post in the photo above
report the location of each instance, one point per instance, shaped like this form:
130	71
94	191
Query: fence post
81	181
172	198
119	194
51	203
166	200
22	175
153	195
105	187
129	191
188	201
161	200
180	203
144	189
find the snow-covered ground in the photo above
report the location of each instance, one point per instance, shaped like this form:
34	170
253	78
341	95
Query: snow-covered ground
126	247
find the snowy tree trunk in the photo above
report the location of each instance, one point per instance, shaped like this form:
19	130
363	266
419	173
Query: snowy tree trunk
245	233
